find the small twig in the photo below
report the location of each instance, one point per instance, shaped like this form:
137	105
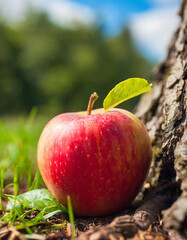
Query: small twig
11	234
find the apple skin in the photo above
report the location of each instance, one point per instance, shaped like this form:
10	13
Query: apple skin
100	160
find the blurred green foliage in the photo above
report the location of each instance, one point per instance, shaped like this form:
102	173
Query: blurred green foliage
56	69
18	143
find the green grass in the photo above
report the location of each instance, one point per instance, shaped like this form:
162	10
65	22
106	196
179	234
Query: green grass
2	189
18	147
71	217
18	169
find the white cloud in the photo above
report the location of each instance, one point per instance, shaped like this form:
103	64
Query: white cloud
165	1
152	30
13	9
64	12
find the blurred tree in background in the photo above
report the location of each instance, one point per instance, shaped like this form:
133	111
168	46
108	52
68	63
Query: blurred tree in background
56	69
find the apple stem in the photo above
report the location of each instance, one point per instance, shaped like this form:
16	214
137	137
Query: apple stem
92	99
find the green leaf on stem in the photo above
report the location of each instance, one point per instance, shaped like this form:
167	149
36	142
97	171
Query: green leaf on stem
125	90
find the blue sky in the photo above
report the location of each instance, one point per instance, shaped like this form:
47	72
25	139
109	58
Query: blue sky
152	22
116	13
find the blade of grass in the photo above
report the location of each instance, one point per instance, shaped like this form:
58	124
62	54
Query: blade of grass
29	177
36	182
12	217
71	216
40	216
16	180
54	227
5	217
2	190
21	218
31	118
29	224
51	214
29	231
9	185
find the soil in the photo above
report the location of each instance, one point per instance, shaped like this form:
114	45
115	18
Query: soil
141	221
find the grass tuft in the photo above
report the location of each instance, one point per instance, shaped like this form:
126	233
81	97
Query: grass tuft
18	171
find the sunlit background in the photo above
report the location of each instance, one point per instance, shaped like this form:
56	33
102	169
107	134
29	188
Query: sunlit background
55	53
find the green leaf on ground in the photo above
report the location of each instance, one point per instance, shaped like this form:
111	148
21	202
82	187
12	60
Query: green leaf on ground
37	199
125	90
19	207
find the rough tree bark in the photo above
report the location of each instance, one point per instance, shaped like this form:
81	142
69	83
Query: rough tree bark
164	113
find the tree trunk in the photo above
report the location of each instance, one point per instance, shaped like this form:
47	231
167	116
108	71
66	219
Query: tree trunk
166	121
164	113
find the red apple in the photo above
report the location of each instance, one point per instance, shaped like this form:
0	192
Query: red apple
100	160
